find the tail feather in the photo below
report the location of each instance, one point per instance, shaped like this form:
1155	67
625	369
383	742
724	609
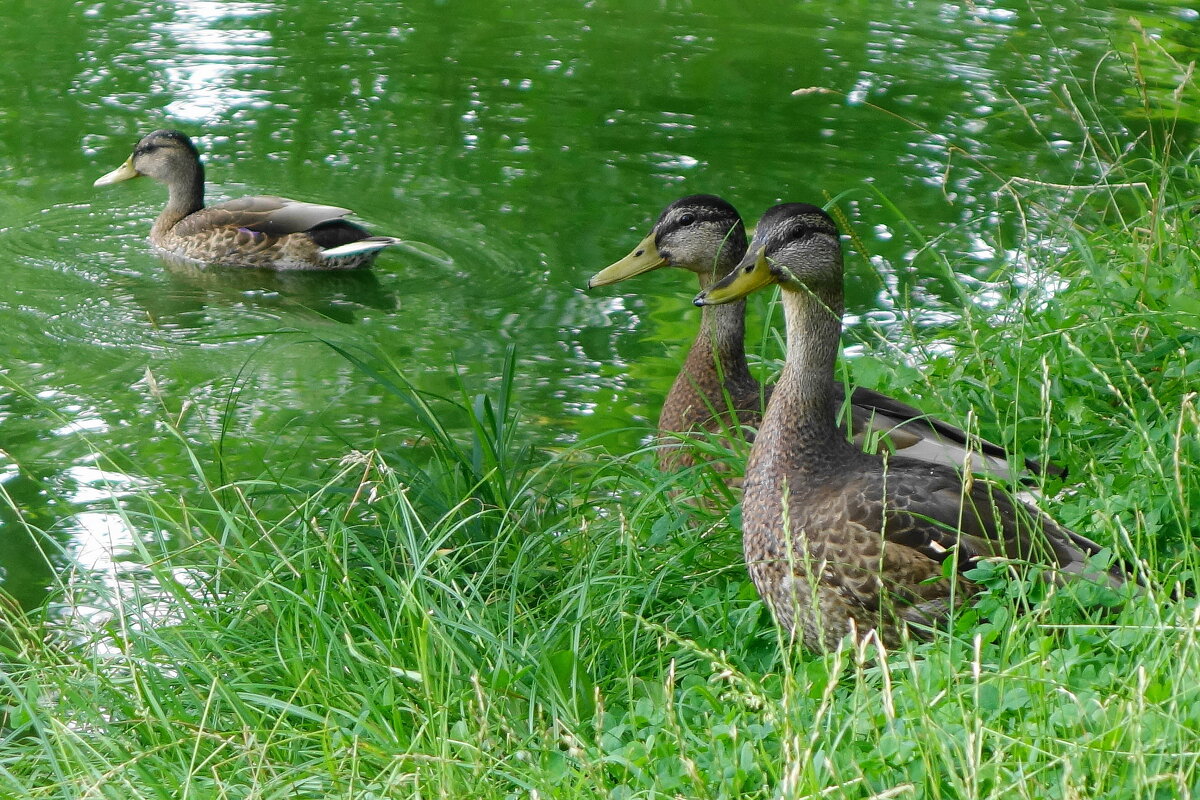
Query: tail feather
373	243
367	245
1075	560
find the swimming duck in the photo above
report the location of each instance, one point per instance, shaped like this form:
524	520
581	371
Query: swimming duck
838	540
263	232
715	391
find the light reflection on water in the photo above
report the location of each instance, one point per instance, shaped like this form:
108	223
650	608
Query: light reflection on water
106	579
204	60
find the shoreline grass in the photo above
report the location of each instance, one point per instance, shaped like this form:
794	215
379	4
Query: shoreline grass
564	630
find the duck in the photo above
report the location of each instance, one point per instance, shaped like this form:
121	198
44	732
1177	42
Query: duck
839	541
260	232
715	391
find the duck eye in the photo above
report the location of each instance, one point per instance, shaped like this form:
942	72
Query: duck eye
687	219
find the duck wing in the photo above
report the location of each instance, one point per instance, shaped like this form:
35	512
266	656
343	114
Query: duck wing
273	216
927	438
932	511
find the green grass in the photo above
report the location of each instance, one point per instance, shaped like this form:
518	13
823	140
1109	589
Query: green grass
473	618
468	616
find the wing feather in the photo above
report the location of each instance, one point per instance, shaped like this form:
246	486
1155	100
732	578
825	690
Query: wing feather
266	214
875	410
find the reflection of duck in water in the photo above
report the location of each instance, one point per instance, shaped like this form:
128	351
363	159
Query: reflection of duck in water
705	235
336	295
838	540
262	232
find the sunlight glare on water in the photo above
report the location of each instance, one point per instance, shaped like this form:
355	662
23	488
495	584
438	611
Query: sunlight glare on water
210	60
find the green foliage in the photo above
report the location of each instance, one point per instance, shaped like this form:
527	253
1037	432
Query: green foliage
470	617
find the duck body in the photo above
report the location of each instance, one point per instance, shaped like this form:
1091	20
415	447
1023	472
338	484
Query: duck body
715	392
260	232
839	541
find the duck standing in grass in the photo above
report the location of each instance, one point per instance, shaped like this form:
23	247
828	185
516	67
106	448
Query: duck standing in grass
715	391
840	541
262	232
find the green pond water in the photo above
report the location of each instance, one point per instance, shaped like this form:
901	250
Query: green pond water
532	142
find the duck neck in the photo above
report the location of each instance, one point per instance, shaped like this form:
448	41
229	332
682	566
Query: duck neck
801	418
721	343
720	346
185	196
715	364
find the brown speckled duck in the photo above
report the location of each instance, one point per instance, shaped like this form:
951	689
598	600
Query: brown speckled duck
838	540
705	235
262	232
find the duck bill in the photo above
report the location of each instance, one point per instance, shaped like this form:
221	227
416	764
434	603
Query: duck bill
121	173
643	258
749	276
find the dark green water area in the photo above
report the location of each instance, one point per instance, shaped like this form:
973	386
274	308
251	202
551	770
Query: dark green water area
534	143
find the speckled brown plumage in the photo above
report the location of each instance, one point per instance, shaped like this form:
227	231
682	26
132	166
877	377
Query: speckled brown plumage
714	390
836	539
262	232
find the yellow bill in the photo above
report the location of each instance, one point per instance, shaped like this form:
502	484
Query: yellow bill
747	277
643	258
121	173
